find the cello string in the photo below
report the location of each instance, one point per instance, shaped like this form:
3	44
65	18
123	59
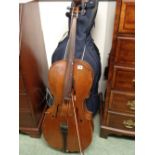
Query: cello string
83	54
77	128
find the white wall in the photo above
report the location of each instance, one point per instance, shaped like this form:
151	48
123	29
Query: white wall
110	15
102	34
54	24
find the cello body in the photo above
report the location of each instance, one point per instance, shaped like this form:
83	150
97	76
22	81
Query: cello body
60	117
68	125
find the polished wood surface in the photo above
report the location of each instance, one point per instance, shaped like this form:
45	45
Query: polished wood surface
61	112
122	102
123	79
118	109
119	121
33	71
127	17
125	51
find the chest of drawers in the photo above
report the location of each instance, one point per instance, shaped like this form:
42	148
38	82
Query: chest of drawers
118	111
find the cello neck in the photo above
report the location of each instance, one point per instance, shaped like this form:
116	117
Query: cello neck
68	83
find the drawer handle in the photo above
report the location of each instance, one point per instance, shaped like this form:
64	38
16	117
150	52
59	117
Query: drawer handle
129	124
131	104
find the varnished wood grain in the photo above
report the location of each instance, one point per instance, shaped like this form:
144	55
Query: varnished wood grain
127	17
119	102
125	51
115	120
61	112
123	79
119	97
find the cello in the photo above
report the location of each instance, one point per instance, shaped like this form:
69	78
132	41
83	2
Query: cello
68	125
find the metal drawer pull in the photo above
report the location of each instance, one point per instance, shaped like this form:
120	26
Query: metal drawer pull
129	124
131	104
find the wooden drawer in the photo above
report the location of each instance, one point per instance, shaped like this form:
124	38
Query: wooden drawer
125	51
127	17
122	102
122	122
123	79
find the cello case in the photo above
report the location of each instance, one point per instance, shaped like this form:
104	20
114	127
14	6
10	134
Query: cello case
85	49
